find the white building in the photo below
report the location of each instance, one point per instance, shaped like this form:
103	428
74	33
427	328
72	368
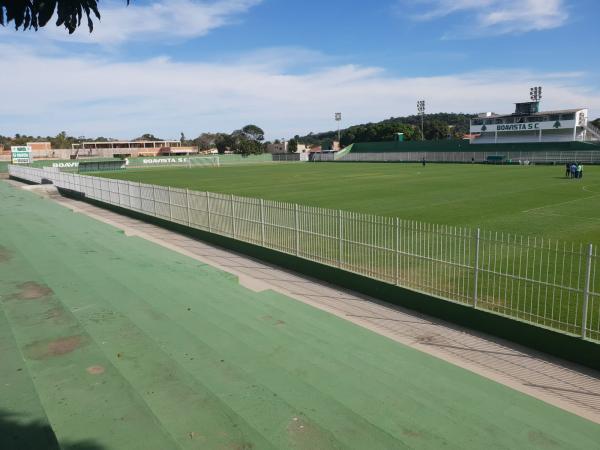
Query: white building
528	124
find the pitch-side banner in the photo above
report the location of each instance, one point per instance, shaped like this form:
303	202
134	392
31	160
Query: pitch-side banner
528	126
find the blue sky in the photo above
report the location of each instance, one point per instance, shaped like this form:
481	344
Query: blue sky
166	66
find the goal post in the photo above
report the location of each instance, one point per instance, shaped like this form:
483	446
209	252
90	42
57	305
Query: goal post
204	161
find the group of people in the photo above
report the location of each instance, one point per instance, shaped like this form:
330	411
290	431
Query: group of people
574	170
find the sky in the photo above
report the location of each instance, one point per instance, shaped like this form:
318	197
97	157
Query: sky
193	66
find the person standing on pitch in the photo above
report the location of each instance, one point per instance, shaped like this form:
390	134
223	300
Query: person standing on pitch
573	170
568	170
580	171
423	162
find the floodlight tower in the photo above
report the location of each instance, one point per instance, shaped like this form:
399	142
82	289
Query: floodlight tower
535	93
421	110
338	119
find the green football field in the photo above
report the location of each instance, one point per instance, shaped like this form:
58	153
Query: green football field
530	200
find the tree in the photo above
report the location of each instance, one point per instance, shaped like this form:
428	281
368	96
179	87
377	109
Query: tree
348	138
596	123
182	138
28	14
254	133
437	127
249	147
205	141
292	146
61	140
147	137
435	130
224	142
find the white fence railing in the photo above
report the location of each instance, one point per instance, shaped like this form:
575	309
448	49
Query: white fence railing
549	283
585	157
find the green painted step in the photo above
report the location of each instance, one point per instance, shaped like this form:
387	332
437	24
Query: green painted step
191	359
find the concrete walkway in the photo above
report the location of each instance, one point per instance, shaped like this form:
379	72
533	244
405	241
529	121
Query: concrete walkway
559	383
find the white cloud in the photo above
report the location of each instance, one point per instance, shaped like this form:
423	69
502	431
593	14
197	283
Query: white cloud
87	96
495	16
162	20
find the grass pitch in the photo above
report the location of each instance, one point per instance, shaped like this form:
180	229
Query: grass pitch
531	200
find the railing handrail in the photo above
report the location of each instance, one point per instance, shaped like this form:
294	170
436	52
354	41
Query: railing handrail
595	130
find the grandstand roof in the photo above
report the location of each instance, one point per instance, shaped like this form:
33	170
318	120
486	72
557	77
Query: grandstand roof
540	113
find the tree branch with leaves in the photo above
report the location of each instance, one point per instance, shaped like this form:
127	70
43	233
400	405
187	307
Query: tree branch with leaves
35	14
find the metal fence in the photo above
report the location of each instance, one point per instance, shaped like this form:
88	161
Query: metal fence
541	281
585	157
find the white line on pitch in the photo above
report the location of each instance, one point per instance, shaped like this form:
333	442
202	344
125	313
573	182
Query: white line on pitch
565	203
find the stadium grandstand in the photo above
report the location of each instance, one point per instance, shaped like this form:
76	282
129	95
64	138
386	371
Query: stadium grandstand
528	124
454	151
131	149
526	136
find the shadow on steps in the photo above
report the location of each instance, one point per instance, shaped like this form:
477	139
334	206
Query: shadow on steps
18	434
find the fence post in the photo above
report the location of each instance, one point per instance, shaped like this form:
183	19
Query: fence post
170	208
153	201
341	242
397	248
139	193
187	201
208	209
476	276
586	293
262	222
232	216
297	228
129	183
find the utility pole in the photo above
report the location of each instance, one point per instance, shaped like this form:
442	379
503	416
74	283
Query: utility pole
338	119
421	110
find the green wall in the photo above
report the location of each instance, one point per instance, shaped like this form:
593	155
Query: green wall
464	146
182	160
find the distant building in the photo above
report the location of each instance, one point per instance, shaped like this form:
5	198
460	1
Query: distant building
39	146
132	148
529	124
277	147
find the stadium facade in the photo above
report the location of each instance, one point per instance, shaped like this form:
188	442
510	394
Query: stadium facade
529	125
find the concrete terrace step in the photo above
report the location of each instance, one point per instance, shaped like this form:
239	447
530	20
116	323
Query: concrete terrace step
127	344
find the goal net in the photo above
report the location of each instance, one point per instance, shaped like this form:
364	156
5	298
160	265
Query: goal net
204	161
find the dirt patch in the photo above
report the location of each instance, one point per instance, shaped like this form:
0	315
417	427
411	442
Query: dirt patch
31	290
57	347
95	370
5	255
56	315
